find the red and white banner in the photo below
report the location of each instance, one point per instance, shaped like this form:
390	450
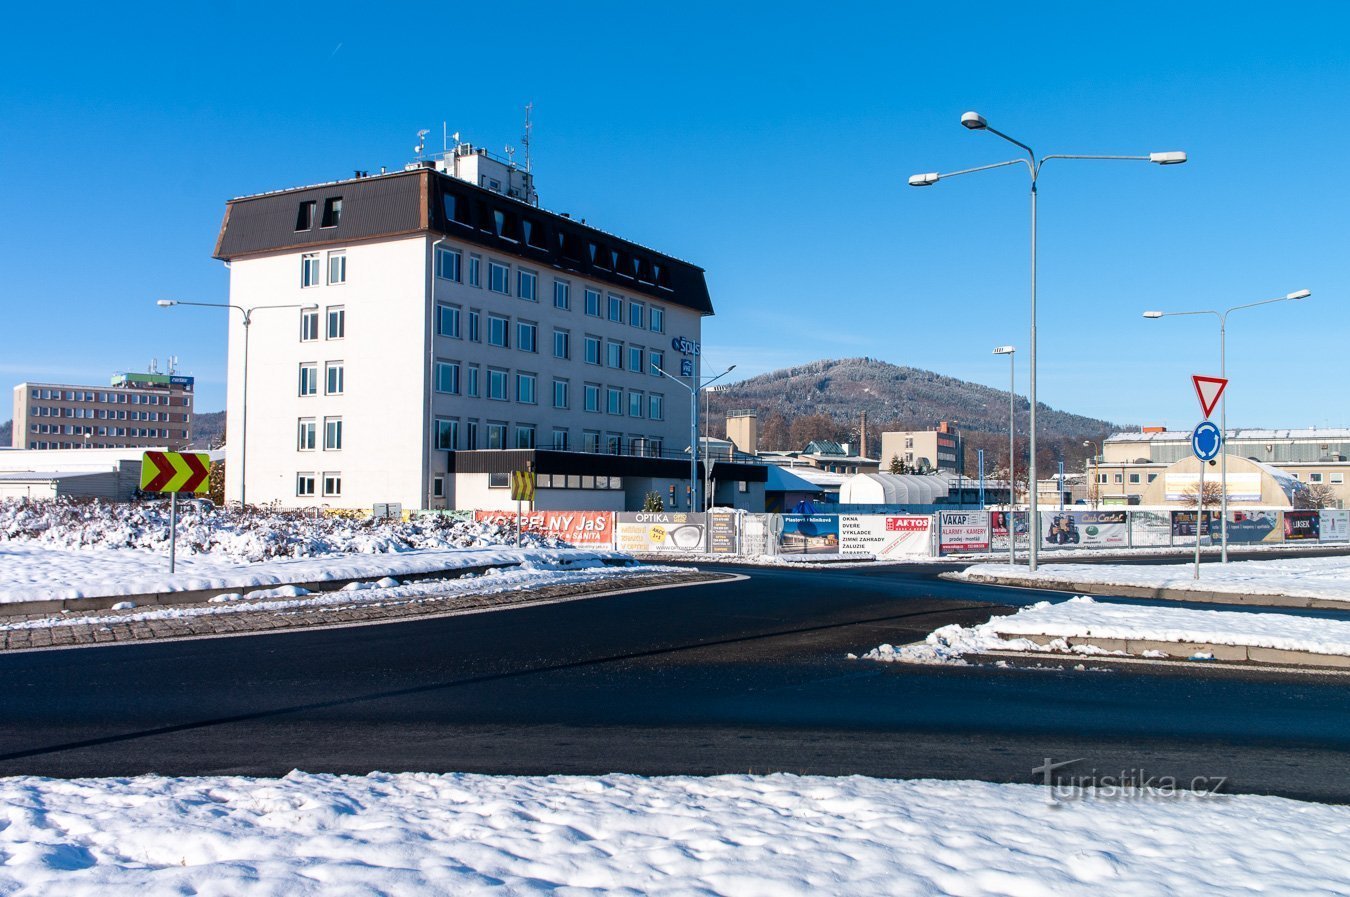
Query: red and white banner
582	528
884	536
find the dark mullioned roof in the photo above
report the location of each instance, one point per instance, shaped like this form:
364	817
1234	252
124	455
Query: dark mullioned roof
425	200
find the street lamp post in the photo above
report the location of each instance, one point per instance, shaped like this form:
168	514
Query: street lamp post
248	319
1010	351
694	391
976	122
1093	492
1223	403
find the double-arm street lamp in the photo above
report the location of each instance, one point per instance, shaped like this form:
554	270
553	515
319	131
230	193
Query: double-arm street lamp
976	122
248	319
1010	351
1223	405
1094	489
695	388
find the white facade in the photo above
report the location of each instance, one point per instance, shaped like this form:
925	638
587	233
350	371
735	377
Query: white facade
403	333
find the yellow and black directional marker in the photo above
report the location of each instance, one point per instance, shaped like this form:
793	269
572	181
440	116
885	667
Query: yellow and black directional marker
522	485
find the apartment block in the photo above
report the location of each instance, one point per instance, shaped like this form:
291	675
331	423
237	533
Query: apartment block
148	410
939	449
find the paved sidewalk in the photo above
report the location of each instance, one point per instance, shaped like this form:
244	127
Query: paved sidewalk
108	626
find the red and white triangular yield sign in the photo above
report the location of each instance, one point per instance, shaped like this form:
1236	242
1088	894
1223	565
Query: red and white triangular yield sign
1208	390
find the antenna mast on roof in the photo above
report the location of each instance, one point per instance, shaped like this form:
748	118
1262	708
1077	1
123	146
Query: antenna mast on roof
525	141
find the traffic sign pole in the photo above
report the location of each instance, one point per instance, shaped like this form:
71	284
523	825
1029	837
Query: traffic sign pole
173	529
1199	515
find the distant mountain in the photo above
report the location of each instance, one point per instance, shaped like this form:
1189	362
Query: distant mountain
895	397
208	430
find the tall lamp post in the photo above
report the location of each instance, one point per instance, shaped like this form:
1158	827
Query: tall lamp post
248	319
694	389
1093	492
976	122
1223	402
1010	351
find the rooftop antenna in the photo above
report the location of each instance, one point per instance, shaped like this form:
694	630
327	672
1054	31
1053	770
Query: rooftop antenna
511	156
525	141
173	364
421	142
445	137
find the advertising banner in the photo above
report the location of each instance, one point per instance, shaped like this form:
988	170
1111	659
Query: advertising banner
1335	526
722	532
1301	525
756	534
963	531
1254	526
809	534
1242	485
998	525
590	529
1086	528
884	536
644	532
1183	527
1150	528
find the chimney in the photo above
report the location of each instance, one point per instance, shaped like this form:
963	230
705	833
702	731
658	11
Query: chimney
862	437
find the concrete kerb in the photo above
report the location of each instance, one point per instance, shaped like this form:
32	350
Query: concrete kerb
1181	650
1161	594
198	596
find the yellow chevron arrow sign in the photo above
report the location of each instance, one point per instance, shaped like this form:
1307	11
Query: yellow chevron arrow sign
175	472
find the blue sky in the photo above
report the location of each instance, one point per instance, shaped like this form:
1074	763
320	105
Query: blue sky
768	143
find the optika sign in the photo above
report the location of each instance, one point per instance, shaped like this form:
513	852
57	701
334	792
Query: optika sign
684	345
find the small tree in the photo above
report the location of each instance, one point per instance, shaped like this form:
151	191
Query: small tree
1315	496
653	504
897	466
1213	494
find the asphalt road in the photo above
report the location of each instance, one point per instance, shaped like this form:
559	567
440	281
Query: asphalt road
738	677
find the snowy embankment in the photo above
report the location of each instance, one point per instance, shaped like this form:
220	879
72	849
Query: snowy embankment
775	835
1326	578
1082	618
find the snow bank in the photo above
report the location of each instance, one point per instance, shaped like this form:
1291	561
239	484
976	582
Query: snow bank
777	835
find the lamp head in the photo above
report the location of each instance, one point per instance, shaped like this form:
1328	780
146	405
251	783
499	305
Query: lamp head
730	369
1153	314
924	180
166	303
1301	294
313	307
1172	158
974	120
1005	350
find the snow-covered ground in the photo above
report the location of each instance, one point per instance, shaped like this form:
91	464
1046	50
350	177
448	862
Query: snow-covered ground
1083	617
777	836
1315	577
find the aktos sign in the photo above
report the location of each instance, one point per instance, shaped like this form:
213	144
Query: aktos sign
684	345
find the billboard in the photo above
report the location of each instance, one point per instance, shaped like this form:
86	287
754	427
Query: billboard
1335	526
963	531
756	534
998	525
885	536
1301	525
722	532
1088	528
660	532
1150	528
1242	485
1254	526
590	529
1184	526
809	534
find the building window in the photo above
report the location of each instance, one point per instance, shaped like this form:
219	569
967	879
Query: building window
525	392
590	440
496	385
334	380
635	401
1314	478
593	303
438	487
527	283
447	377
332	484
559	439
592	349
592	397
1337	479
657	319
337	267
332	434
562	295
475	271
471	434
304	220
562	344
616	308
447	321
637	315
614	354
498	330
527	336
656	406
1117	478
560	390
309	270
614	400
1134	479
613	444
447	434
656	362
524	436
305	442
309	325
475	326
309	380
1152	477
496	435
635	359
448	262
304	482
332	212
337	322
472	389
499	278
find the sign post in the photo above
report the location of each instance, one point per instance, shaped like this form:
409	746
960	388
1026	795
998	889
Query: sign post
1208	390
175	472
1206	443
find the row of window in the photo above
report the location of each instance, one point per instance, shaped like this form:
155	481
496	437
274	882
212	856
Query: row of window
307	481
502	385
335	319
617	355
308	430
451	435
332	214
104	414
106	398
82	430
311	268
334	378
449	265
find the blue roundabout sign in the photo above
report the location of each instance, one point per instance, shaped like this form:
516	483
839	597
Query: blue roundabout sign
1206	441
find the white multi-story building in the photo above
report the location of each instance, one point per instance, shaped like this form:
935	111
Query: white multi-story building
437	311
